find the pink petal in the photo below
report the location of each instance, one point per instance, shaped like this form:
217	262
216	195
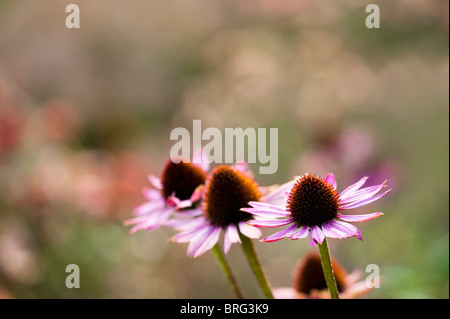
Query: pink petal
249	231
184	204
278	193
172	200
187	235
197	194
330	179
192	212
184	220
329	231
152	194
155	181
149	207
281	234
354	187
263	213
284	293
362	194
205	242
316	236
269	207
333	230
198	238
241	166
359	218
300	233
201	160
343	229
152	221
231	236
269	223
135	220
363	202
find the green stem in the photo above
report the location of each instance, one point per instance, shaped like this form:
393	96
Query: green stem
328	269
253	260
227	271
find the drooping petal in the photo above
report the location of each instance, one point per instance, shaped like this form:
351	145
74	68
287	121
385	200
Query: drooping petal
185	219
211	238
194	212
316	236
183	224
330	179
334	230
135	220
209	242
281	234
269	223
363	202
354	187
300	233
359	218
197	240
231	236
188	234
149	207
249	231
343	229
152	221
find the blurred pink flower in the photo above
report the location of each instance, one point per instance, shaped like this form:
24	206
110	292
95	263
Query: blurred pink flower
11	127
60	119
179	188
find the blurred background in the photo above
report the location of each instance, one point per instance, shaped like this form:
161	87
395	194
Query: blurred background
86	115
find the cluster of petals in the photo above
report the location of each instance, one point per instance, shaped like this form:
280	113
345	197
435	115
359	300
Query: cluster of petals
158	210
276	215
186	216
202	235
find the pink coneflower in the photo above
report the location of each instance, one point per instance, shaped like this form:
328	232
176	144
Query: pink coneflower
309	281
313	206
227	189
177	191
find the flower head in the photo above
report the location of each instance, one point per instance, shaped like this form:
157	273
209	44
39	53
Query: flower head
309	281
177	191
312	206
227	190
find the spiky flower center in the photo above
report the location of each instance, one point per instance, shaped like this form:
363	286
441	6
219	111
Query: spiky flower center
309	275
227	191
312	201
181	179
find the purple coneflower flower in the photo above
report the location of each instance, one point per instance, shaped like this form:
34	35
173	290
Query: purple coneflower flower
178	189
227	189
309	281
312	206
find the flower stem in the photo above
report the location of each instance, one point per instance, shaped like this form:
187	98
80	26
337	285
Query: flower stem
328	269
253	260
227	271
